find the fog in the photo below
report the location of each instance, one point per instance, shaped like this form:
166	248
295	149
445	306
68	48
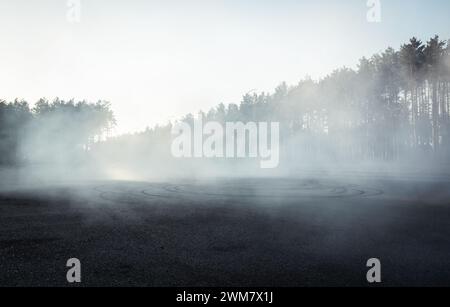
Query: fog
382	117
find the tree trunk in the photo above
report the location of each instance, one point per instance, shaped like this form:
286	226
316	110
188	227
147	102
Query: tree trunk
435	116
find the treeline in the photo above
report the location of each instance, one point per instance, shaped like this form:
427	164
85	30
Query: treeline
50	131
394	105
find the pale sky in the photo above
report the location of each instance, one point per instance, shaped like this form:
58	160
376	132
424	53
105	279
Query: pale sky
158	60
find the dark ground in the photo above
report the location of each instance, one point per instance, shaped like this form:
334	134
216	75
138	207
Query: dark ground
246	232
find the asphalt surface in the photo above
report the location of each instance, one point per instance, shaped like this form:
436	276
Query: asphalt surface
315	231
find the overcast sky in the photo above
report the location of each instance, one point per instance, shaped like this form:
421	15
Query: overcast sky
158	60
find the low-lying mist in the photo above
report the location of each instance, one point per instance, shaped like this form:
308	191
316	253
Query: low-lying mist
383	117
